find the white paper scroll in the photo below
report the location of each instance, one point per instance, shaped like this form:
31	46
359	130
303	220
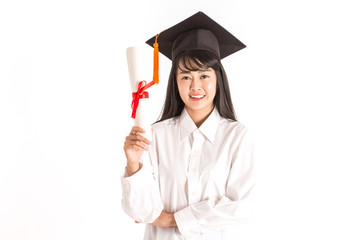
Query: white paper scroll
137	72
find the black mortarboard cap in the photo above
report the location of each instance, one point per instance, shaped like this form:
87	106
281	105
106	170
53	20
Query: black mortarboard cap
197	32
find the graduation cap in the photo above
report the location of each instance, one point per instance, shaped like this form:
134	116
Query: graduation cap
198	32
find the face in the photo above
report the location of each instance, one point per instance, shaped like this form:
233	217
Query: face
197	89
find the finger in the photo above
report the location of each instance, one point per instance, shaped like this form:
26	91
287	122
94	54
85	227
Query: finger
135	139
139	138
137	145
134	147
131	144
133	131
141	144
136	129
143	139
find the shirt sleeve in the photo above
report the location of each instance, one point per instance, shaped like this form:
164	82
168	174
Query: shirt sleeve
234	207
140	192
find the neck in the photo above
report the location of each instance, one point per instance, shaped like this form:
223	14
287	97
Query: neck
199	116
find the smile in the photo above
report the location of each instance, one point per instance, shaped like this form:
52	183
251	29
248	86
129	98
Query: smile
197	96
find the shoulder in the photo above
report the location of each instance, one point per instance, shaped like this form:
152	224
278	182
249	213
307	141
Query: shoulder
235	127
235	132
238	135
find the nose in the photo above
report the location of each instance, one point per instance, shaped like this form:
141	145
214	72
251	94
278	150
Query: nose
195	84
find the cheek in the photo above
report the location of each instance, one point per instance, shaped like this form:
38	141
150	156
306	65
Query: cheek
210	88
182	88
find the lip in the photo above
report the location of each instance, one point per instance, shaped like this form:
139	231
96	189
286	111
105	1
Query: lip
196	98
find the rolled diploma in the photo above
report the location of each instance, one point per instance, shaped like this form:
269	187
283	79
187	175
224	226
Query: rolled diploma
137	72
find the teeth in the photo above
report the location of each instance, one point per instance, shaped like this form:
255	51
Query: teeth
197	96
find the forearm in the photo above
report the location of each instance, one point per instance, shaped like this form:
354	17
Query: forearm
133	168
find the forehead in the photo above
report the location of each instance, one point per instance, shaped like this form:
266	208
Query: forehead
190	64
201	70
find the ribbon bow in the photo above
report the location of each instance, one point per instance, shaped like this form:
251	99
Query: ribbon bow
142	86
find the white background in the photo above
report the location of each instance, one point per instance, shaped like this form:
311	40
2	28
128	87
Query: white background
65	111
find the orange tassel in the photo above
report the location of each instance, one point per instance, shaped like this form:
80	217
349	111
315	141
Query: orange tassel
156	61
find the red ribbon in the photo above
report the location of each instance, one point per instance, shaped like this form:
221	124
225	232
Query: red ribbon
140	94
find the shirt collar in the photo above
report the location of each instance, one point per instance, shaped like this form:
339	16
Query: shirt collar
208	128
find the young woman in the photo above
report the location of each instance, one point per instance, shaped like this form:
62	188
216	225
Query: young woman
196	177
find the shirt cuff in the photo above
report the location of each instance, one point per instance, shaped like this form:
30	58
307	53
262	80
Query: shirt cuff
186	222
135	181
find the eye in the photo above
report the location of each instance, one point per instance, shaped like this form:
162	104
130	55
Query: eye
204	76
185	78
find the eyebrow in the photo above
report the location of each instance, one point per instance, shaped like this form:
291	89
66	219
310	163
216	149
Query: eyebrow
200	71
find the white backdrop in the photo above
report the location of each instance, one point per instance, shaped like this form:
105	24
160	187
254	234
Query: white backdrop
65	111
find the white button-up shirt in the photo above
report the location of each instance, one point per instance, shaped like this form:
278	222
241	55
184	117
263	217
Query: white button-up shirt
202	175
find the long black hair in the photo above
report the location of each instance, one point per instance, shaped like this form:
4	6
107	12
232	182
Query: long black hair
194	60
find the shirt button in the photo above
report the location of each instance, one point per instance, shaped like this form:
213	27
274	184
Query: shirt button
193	170
193	193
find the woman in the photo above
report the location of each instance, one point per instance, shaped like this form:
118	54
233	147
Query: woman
196	177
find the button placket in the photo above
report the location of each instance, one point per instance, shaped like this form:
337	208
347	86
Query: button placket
193	171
